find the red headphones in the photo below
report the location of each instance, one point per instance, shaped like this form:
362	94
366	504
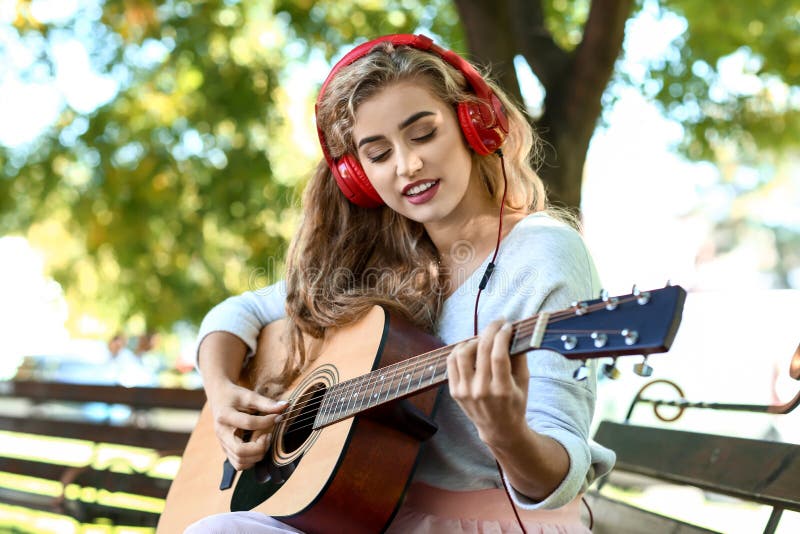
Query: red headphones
484	123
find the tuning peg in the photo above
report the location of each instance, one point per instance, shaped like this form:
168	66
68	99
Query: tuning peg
580	307
570	342
603	295
611	303
631	336
635	290
581	373
669	283
643	298
643	368
599	338
610	370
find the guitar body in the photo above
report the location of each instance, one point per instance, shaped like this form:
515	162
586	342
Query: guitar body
351	474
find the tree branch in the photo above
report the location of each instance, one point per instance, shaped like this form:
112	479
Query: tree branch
482	19
532	39
593	61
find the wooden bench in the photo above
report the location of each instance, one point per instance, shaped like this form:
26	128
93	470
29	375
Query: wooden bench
57	410
753	470
764	472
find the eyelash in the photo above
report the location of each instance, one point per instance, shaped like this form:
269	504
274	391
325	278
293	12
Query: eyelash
421	139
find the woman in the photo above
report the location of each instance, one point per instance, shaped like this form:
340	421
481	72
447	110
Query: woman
414	207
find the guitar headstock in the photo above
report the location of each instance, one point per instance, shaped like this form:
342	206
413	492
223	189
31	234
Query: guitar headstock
642	322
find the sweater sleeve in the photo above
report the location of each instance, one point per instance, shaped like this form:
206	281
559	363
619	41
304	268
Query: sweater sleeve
245	315
559	406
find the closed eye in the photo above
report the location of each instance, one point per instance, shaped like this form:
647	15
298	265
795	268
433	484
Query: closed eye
421	139
379	157
425	137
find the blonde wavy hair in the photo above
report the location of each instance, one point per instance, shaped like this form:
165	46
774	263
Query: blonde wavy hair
344	259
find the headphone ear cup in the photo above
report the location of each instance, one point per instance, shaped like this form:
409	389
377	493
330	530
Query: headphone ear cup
353	182
482	127
465	114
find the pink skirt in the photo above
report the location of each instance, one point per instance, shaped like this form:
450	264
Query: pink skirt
429	510
426	510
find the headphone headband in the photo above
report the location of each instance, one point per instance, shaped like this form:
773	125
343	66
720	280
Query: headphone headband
484	124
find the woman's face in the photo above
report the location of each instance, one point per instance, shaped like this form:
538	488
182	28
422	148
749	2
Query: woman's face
410	145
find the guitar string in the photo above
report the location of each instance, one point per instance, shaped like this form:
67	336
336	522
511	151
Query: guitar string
297	414
348	387
360	387
345	389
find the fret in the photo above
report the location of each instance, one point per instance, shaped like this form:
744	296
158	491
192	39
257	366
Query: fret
404	376
391	382
399	369
442	360
383	382
523	343
423	370
514	333
331	411
435	367
353	401
342	400
412	374
372	395
322	413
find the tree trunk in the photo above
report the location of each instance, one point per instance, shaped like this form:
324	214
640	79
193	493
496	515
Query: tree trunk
574	81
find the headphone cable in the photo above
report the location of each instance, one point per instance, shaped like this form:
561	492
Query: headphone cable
484	281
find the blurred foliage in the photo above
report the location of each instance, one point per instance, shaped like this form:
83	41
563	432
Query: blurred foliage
733	77
165	200
183	188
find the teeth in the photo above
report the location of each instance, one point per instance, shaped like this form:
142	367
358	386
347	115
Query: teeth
416	190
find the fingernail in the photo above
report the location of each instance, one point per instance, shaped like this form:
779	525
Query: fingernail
506	326
279	418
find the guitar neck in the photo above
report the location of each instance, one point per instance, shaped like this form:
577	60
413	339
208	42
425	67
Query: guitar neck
404	379
639	323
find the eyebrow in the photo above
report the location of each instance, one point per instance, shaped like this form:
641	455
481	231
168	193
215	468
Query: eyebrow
405	124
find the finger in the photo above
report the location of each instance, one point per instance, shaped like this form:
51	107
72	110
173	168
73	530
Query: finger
483	364
243	461
244	454
245	421
487	336
252	401
465	360
520	371
453	376
500	360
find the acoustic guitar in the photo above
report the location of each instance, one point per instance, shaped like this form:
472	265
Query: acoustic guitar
346	448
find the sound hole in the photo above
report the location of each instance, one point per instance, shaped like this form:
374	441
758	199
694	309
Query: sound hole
301	423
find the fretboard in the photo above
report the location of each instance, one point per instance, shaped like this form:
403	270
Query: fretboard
399	380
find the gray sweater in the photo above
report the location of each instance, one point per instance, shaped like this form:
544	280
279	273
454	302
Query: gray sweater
542	265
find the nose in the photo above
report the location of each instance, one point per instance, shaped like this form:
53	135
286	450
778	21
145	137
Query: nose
408	162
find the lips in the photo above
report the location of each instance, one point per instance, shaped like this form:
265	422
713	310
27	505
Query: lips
421	192
419	187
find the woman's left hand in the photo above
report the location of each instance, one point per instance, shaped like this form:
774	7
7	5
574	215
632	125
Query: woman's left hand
489	385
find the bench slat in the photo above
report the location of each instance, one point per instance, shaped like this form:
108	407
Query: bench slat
135	483
138	397
615	517
759	471
121	435
82	511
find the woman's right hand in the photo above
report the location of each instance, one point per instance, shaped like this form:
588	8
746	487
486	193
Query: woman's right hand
236	409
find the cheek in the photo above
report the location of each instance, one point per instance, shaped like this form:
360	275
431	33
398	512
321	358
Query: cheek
379	179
